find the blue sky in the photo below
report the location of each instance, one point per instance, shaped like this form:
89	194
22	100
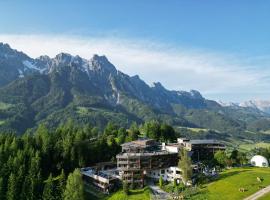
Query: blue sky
219	47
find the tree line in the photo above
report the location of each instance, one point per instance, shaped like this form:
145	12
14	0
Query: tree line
44	164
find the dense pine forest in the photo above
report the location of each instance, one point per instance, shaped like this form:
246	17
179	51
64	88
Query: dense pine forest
44	164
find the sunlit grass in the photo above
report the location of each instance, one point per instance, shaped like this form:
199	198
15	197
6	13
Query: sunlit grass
227	187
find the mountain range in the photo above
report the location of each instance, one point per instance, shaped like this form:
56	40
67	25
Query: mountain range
54	90
261	105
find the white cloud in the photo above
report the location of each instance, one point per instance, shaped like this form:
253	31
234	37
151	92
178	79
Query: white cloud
216	75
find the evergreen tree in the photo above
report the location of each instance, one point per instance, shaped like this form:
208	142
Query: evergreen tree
2	191
61	185
26	192
161	182
74	188
48	192
185	165
12	188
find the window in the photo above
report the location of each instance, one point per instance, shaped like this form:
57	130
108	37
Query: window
178	172
162	171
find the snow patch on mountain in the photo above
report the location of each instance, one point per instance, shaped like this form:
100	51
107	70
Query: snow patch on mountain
29	65
262	105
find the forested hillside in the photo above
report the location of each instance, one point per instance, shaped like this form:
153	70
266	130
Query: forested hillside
36	166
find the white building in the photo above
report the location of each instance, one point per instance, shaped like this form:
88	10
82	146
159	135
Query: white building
167	174
259	161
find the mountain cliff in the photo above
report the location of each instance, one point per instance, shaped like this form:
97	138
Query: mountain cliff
53	90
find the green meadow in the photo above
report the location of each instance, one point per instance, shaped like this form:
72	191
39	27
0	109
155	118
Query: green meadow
230	181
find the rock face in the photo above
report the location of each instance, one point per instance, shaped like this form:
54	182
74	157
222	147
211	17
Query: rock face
53	90
102	74
257	104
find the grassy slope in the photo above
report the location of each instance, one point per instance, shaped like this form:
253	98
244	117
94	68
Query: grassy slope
142	194
4	106
227	187
265	197
248	147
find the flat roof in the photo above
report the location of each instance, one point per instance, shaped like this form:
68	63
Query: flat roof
204	142
91	172
145	154
138	143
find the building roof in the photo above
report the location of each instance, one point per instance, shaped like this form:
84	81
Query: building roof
154	153
139	143
204	142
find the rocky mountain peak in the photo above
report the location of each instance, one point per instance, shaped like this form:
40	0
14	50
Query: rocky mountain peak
101	63
4	46
158	85
196	94
6	52
63	58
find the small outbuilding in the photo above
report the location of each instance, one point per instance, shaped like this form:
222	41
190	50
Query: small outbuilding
259	161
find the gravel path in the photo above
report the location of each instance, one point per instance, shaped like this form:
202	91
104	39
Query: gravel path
158	193
259	194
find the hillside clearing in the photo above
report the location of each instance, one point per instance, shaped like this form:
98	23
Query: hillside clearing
230	181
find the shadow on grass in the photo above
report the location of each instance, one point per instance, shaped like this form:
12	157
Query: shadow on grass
136	192
139	191
202	194
228	174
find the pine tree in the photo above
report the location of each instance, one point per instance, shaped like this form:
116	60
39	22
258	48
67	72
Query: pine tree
185	166
48	192
161	182
26	192
34	191
74	188
60	189
2	191
12	188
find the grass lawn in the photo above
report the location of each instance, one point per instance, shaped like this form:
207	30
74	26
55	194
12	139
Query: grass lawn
265	197
141	194
227	186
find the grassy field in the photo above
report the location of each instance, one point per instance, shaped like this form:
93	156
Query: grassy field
227	187
265	197
4	106
142	194
248	147
267	132
195	130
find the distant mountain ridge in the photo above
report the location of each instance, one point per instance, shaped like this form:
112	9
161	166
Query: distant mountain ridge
262	105
53	90
101	72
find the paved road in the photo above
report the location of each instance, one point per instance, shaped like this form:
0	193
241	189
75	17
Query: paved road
259	194
158	193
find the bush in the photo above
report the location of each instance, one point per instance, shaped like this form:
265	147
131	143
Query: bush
161	182
125	188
